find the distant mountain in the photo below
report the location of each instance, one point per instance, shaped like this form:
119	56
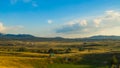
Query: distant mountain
15	36
27	37
105	37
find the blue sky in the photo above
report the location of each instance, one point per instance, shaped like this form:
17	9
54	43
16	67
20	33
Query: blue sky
64	18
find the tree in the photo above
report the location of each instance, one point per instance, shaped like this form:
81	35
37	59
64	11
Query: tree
81	48
50	50
68	50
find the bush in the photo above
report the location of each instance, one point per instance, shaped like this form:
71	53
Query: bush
22	49
68	50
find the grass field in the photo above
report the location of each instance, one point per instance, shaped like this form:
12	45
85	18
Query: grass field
95	54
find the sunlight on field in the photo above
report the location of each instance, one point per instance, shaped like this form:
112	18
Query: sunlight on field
22	54
21	62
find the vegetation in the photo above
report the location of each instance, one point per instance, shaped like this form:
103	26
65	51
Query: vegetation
19	54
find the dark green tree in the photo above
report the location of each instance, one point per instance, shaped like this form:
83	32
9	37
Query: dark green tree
50	50
68	50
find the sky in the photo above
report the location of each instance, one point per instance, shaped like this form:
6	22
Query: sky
60	18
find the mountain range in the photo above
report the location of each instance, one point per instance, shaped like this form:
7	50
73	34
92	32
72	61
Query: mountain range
28	37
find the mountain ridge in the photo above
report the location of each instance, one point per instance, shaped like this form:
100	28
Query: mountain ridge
28	37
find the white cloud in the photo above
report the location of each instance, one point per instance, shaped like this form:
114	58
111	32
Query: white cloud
108	31
50	21
71	23
103	24
2	27
9	28
83	23
86	30
14	28
113	13
97	22
78	22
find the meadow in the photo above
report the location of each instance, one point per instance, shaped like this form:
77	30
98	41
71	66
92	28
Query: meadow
27	54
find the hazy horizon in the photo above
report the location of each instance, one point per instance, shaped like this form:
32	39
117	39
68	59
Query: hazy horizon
60	18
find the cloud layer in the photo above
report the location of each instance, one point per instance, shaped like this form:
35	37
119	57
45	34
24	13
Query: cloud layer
2	27
103	24
9	29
